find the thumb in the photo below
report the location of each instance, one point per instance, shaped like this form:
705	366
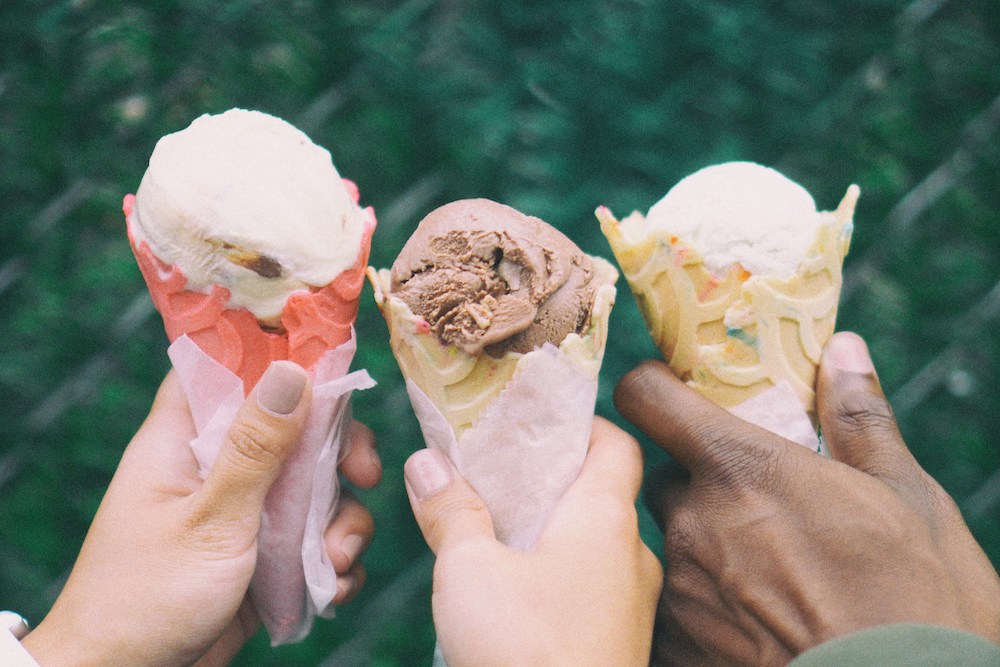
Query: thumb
857	422
259	441
447	509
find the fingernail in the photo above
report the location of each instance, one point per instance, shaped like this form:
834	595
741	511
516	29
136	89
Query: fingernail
280	389
352	546
848	352
427	471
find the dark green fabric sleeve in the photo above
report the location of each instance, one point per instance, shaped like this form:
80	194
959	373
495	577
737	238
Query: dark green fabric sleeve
903	645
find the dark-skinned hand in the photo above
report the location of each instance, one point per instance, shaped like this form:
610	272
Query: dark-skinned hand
771	549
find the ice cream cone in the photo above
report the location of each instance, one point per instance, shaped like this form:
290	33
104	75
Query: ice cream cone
734	336
313	322
462	385
516	427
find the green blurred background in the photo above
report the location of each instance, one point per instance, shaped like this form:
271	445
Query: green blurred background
552	107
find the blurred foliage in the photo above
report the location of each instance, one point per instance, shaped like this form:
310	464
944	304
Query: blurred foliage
551	107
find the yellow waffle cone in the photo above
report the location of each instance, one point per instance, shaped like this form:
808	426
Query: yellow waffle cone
734	336
462	385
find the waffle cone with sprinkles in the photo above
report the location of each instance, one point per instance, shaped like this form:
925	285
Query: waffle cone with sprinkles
735	335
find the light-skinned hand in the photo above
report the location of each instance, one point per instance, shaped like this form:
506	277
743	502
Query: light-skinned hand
163	573
771	549
584	595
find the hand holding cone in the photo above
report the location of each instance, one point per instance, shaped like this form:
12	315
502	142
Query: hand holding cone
516	425
254	249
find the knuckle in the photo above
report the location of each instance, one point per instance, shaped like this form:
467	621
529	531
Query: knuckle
730	459
894	470
438	511
253	446
711	438
201	534
740	468
860	412
613	514
681	535
682	583
940	503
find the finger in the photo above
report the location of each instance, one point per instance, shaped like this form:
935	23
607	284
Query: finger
857	422
160	453
243	626
613	464
362	465
258	443
349	533
170	416
350	584
699	434
447	509
598	508
663	488
672	645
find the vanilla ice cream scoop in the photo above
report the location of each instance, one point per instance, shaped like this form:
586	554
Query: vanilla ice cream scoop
246	201
740	213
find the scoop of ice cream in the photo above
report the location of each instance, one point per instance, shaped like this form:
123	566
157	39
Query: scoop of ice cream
246	201
488	278
740	213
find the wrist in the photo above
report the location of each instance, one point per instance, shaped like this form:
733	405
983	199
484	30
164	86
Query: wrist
43	649
51	645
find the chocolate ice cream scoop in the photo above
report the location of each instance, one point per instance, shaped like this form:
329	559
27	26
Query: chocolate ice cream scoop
488	278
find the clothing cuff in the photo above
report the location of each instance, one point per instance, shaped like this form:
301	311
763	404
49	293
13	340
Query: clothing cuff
12	654
903	645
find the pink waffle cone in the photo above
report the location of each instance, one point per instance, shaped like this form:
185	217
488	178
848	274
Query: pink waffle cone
313	322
